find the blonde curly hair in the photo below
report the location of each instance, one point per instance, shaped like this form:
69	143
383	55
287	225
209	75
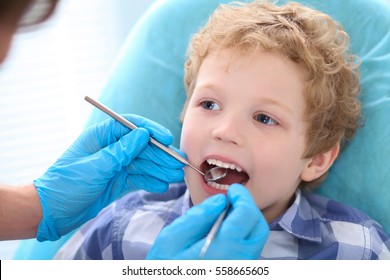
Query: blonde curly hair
307	37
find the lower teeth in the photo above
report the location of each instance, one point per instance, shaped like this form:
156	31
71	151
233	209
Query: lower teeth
218	186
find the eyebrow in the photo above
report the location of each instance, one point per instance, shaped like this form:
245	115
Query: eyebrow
266	100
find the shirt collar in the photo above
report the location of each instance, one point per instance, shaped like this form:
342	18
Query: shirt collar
300	220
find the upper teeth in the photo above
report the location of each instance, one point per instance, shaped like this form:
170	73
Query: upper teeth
224	164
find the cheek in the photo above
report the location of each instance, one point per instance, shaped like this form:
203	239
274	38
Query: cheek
285	164
277	171
191	136
186	139
190	144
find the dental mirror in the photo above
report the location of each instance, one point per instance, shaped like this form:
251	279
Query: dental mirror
215	173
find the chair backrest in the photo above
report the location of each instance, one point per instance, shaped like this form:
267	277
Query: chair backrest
148	80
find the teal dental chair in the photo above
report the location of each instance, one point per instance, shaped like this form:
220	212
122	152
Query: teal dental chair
148	80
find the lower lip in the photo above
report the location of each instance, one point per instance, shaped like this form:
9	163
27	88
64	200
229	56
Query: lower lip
209	189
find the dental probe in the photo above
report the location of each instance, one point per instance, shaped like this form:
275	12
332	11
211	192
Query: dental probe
209	176
213	232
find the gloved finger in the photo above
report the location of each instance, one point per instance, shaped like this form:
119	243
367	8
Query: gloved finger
258	237
146	183
156	130
250	247
242	205
122	152
111	130
148	168
203	216
99	136
188	229
225	247
260	231
160	157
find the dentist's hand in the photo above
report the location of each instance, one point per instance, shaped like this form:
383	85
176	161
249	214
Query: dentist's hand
242	234
106	161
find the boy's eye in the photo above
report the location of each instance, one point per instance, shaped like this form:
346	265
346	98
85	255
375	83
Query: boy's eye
264	119
210	105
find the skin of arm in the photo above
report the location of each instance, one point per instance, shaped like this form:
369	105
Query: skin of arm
20	212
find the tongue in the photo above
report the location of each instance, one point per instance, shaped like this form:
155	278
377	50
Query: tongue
233	176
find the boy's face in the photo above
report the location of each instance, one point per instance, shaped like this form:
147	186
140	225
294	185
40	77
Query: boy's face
248	111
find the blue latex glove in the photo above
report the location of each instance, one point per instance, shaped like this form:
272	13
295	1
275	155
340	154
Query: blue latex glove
242	234
106	161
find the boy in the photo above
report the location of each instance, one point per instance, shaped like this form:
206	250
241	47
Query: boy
272	96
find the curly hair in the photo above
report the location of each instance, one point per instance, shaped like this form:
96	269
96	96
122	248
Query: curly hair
305	36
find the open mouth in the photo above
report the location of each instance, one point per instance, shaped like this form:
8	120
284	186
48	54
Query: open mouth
235	174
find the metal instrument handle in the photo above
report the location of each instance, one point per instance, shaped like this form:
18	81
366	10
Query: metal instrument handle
132	126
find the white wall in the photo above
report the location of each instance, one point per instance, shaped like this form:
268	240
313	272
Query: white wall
45	78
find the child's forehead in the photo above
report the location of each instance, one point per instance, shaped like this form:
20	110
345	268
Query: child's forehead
238	56
262	71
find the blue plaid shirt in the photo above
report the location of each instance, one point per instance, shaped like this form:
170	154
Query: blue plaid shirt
313	227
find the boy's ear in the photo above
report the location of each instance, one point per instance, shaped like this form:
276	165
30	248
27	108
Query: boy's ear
317	165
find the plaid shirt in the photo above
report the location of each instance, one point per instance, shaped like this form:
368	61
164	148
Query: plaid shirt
313	227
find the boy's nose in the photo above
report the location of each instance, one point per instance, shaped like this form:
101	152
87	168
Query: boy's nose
229	130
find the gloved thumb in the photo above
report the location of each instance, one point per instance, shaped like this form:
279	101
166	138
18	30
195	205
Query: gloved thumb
122	152
189	229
